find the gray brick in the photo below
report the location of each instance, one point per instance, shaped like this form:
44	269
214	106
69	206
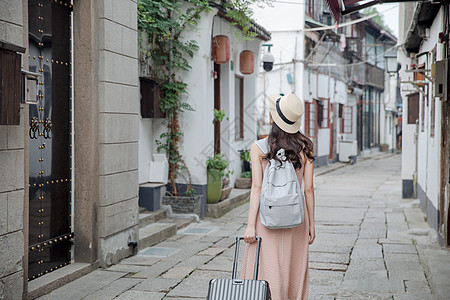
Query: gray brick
11	287
11	252
16	134
11	11
3	137
118	68
15	210
117	217
118	98
3	213
119	128
11	170
11	33
118	187
115	158
123	12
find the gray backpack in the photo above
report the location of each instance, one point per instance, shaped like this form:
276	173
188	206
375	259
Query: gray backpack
281	200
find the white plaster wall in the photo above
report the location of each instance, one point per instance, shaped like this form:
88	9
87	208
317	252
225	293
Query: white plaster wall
146	138
323	144
198	141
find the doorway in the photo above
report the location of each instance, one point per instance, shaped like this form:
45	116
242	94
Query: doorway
50	147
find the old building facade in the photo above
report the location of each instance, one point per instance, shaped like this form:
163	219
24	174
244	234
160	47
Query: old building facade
64	153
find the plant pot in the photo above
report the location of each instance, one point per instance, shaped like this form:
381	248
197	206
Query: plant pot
184	204
243	183
384	147
225	193
246	167
213	186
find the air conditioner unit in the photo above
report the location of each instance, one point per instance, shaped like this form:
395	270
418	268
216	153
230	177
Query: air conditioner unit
440	79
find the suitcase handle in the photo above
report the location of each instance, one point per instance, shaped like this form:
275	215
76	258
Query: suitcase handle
236	256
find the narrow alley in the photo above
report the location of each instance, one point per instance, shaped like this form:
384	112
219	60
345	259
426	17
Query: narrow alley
369	245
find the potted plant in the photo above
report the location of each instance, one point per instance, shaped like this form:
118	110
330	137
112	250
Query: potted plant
215	167
245	181
245	158
384	147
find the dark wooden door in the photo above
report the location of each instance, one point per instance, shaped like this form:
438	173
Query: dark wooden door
50	232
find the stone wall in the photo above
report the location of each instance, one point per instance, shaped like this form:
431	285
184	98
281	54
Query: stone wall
12	172
118	97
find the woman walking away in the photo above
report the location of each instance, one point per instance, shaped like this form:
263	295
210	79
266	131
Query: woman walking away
284	252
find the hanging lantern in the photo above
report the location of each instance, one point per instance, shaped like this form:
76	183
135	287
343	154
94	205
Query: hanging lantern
221	49
247	62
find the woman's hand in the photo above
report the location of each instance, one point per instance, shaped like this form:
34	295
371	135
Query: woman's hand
250	235
312	234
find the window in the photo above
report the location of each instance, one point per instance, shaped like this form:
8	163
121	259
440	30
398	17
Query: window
10	87
413	108
239	108
347	120
323	113
310	119
150	99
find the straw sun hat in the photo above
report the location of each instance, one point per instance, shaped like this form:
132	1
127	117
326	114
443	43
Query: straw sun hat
286	111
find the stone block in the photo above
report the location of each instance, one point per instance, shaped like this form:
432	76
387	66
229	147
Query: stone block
15	210
116	158
118	68
11	33
4	137
11	12
183	205
110	36
122	12
16	134
129	42
118	217
11	170
11	287
115	248
3	213
11	253
119	128
178	272
118	98
118	187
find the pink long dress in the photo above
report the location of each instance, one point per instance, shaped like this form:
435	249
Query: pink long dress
283	260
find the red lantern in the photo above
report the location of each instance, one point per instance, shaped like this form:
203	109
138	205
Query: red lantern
221	49
247	62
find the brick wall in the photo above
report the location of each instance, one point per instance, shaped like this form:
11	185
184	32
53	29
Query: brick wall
12	177
118	129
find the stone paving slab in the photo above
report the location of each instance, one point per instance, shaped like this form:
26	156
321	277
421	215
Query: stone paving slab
162	285
140	295
114	289
84	286
191	287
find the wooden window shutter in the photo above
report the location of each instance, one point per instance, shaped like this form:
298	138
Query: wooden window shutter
150	99
10	87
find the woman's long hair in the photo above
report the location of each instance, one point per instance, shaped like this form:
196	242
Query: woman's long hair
292	143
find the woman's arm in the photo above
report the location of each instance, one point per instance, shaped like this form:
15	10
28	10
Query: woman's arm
309	194
257	176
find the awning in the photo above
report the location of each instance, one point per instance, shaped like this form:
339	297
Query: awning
340	8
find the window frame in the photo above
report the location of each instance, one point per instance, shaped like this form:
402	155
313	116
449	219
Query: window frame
241	109
308	119
343	119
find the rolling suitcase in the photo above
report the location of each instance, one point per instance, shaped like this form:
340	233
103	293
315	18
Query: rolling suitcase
240	289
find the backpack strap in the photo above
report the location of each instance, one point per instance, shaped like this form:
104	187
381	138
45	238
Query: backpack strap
263	144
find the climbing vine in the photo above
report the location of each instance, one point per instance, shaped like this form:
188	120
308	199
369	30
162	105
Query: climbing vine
161	24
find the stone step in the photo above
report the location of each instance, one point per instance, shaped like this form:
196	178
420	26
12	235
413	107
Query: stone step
155	233
146	218
142	209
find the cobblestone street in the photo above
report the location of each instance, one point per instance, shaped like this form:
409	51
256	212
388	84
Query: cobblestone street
369	245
